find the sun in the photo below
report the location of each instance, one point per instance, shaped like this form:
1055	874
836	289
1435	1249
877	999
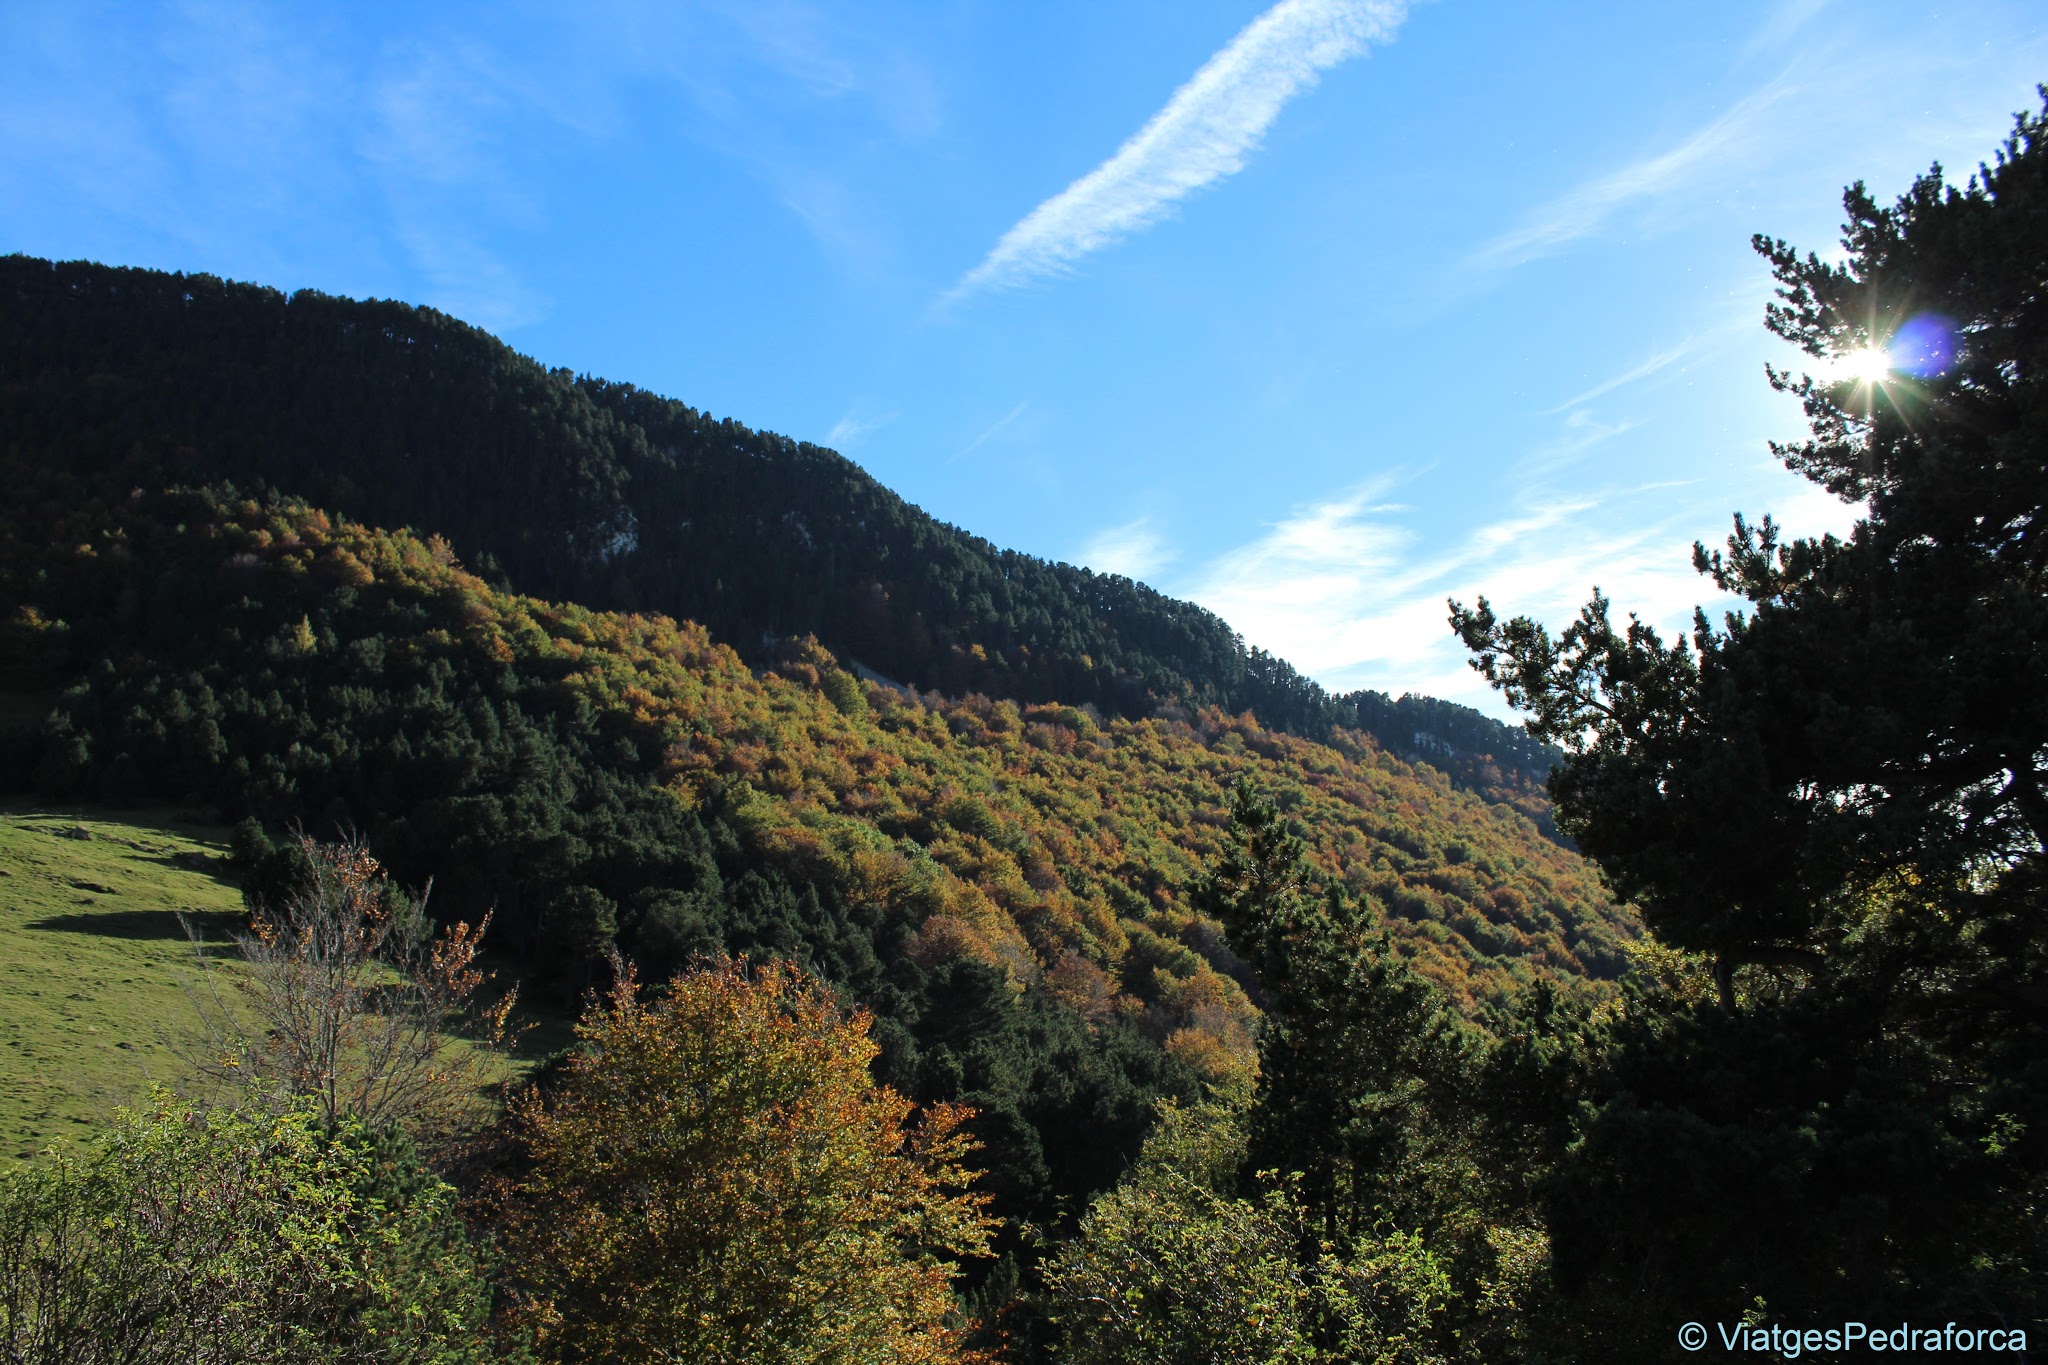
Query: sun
1865	365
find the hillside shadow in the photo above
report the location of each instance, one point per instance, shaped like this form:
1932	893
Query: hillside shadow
217	869
143	925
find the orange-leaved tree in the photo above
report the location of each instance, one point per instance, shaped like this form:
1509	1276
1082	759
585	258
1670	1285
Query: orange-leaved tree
714	1176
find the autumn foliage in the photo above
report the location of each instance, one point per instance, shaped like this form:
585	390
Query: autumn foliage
1010	888
715	1177
1030	831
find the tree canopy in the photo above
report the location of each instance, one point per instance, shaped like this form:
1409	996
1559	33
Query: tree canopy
231	1236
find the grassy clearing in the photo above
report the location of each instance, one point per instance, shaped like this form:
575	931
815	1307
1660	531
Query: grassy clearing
97	976
93	963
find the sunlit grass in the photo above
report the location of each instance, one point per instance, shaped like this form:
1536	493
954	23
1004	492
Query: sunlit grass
98	980
93	964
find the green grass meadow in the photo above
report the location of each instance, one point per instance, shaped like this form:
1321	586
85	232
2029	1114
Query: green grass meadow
94	966
98	980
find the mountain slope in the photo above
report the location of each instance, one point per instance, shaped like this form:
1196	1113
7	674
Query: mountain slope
608	495
1007	887
195	606
267	657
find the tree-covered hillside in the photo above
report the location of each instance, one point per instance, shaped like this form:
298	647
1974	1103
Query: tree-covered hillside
578	489
1009	888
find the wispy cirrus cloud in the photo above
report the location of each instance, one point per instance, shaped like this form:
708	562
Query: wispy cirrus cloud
1351	590
1584	210
994	429
1782	22
1581	431
1353	594
1659	361
1204	133
854	428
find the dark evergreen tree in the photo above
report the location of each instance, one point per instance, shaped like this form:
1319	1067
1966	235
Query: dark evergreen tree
1836	800
1359	1060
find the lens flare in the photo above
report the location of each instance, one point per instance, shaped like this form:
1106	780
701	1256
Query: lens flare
1924	347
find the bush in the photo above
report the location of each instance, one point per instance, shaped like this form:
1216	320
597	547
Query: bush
231	1237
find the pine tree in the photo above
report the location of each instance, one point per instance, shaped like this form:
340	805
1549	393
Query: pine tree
1357	1053
1835	798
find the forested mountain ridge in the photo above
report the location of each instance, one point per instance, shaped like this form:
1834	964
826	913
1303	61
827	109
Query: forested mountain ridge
601	493
268	658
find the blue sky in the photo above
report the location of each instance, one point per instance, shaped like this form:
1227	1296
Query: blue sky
1317	313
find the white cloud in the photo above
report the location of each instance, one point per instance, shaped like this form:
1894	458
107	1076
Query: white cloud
440	145
1584	210
1353	594
1135	549
1582	431
1649	367
1355	598
1787	19
808	51
851	430
465	279
1204	133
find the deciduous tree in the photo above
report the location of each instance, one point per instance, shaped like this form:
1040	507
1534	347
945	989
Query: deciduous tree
349	999
232	1237
715	1177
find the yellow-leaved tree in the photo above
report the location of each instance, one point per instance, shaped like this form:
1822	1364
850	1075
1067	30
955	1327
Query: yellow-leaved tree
714	1176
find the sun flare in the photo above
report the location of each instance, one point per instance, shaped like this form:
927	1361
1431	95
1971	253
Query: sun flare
1865	365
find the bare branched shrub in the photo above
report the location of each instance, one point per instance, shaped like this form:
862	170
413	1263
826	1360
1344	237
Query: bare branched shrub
346	997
